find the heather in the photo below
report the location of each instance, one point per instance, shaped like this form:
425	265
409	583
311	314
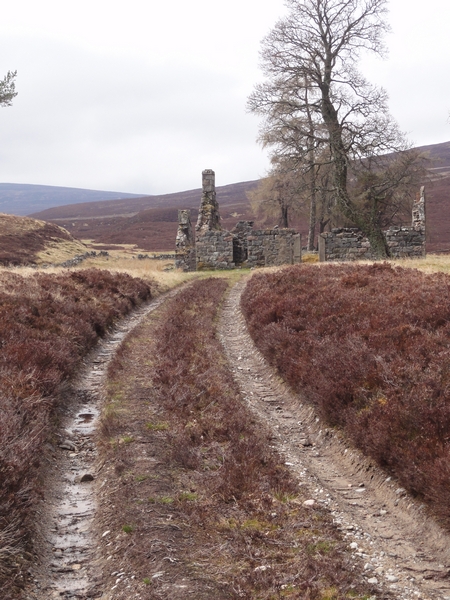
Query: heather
369	346
48	323
194	479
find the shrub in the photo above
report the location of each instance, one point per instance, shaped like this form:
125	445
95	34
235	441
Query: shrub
47	324
370	346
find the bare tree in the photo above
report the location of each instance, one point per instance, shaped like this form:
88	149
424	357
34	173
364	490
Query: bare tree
316	104
8	88
279	195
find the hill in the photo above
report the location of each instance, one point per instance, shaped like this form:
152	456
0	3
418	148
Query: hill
151	221
24	199
29	241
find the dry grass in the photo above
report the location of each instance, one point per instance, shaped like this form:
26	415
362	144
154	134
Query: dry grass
432	263
29	241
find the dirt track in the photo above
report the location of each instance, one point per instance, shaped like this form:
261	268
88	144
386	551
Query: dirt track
68	565
392	538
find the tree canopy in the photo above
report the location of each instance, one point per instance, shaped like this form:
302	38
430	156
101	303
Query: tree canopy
8	88
318	109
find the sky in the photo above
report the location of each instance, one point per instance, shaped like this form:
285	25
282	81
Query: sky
141	96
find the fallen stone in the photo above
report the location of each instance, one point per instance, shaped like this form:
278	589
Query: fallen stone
262	568
67	445
85	478
305	442
309	503
372	581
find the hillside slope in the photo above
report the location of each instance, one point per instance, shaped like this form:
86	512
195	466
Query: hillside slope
29	241
151	221
23	199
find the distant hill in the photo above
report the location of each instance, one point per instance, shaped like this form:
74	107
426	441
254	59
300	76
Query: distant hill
150	222
25	241
24	199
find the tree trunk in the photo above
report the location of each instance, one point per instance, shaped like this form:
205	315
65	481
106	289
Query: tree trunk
284	221
340	163
312	172
312	215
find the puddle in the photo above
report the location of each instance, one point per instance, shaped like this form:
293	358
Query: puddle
85	417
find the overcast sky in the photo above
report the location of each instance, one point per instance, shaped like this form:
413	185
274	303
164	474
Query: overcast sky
141	96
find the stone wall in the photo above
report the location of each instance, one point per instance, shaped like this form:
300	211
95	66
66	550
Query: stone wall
185	243
346	244
240	242
215	250
273	247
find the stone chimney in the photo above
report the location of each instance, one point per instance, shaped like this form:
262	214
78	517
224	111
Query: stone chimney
208	216
418	211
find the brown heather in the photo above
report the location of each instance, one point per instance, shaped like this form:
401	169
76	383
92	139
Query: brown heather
370	346
48	323
195	475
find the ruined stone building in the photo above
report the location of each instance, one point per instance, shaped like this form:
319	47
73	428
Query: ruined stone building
346	244
212	247
215	248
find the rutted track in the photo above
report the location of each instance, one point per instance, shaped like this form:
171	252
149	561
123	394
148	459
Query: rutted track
402	551
68	565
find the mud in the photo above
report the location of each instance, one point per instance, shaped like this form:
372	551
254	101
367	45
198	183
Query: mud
402	551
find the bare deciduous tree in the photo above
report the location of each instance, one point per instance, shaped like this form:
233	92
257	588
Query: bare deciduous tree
318	108
8	88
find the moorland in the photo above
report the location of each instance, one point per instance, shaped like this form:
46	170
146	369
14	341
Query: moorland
365	345
151	221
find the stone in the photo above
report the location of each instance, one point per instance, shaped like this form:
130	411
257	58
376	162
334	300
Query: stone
208	216
309	503
86	477
185	243
67	445
215	248
403	242
372	581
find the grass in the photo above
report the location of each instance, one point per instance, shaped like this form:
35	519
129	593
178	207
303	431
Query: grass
24	240
369	345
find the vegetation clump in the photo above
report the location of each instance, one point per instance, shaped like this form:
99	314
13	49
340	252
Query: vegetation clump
369	345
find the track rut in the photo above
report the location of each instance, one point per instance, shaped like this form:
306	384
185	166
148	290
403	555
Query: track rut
401	550
68	566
